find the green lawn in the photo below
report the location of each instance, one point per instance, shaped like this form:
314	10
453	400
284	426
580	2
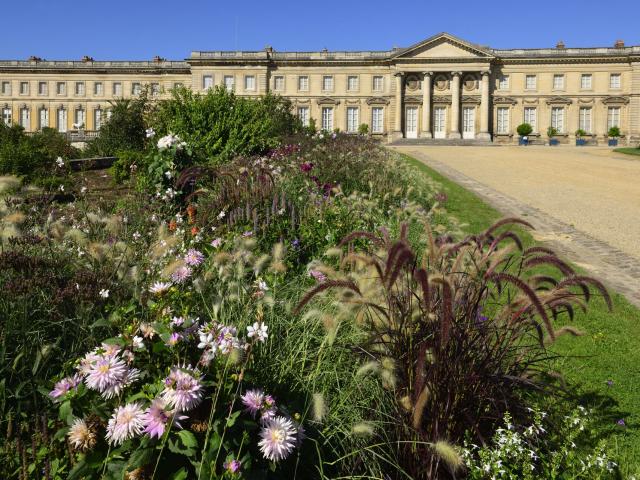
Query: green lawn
609	351
628	150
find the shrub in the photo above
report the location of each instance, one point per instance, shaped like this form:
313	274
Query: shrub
127	162
581	133
363	129
524	129
552	132
614	132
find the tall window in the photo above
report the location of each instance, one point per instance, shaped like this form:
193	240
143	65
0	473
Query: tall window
24	88
558	81
531	117
353	119
97	118
503	82
377	120
178	85
352	83
61	88
278	83
530	82
43	118
117	89
207	81
155	89
303	83
503	119
614	80
6	88
42	88
585	119
327	83
228	82
136	88
80	118
327	119
378	83
585	81
613	117
6	116
249	82
303	114
79	88
557	119
98	88
62	120
25	118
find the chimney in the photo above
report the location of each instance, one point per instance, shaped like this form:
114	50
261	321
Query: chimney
619	44
87	58
560	44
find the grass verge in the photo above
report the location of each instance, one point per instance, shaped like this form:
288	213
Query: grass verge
628	150
602	367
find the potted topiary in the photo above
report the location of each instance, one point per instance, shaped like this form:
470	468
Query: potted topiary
614	133
524	130
552	132
580	142
363	129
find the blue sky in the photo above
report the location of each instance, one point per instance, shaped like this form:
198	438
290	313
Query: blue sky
140	29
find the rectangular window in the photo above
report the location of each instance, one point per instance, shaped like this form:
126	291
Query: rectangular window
228	82
24	88
207	82
327	119
61	88
155	89
353	119
378	83
327	83
585	81
178	85
558	82
303	83
278	83
615	81
98	88
43	118
503	82
613	117
6	116
80	119
557	119
79	88
352	83
97	118
530	82
584	122
6	88
377	119
42	88
117	89
303	114
249	82
531	117
136	88
24	118
62	120
503	119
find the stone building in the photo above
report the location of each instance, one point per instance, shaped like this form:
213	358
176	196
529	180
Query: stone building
440	88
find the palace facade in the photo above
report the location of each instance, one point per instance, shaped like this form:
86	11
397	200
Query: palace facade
440	88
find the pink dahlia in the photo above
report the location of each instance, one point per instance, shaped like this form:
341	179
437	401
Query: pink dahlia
278	438
125	423
183	389
62	387
193	257
181	274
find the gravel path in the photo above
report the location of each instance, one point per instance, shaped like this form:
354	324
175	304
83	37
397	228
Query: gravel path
586	202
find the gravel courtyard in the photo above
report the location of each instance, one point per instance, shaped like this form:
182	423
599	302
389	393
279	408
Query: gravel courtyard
585	200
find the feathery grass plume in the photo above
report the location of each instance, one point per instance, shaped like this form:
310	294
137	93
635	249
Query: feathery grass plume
77	236
333	252
8	182
363	429
259	263
370	367
170	268
405	403
319	407
418	409
9	231
114	224
449	455
93	218
98	251
277	255
15	217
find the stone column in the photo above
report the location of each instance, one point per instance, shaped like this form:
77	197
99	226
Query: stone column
426	105
397	126
484	107
455	105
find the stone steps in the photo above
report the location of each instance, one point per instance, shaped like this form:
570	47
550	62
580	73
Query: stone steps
443	142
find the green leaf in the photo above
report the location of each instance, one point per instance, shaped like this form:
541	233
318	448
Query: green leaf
140	458
232	419
179	475
66	412
188	439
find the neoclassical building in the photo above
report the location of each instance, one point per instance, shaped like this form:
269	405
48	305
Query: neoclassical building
440	88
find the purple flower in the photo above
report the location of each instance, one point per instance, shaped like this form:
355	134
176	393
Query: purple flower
248	233
318	275
232	466
306	166
157	416
125	423
174	338
610	383
183	389
278	438
65	385
193	257
181	274
295	243
621	422
216	242
252	400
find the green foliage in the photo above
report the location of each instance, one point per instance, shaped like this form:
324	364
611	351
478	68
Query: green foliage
218	125
581	133
614	132
363	129
124	129
552	132
32	156
524	129
127	162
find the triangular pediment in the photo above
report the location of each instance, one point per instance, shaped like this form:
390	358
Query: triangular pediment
444	45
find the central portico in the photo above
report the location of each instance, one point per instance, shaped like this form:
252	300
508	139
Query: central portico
432	100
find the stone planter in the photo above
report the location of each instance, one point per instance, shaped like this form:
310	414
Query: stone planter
554	141
523	141
613	142
581	142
